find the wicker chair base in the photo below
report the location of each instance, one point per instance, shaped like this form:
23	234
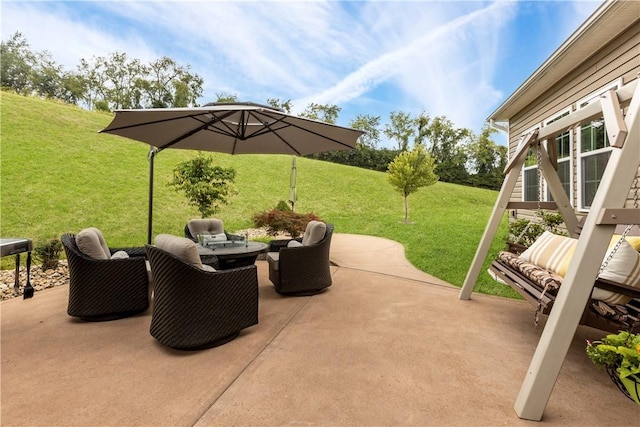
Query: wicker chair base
301	293
212	344
111	316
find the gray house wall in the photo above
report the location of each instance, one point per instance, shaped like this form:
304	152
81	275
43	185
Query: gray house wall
618	59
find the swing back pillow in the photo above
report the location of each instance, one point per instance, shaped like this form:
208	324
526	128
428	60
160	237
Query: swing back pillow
554	253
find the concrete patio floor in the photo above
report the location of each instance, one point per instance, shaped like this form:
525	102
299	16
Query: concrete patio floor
385	345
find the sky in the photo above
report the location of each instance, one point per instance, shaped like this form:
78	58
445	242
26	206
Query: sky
459	59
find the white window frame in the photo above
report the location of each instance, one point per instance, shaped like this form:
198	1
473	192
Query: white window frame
568	159
526	168
593	97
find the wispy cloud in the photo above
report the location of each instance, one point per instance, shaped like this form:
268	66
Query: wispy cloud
368	57
436	69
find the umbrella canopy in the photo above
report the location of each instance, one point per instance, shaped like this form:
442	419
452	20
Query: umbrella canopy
234	128
293	191
239	128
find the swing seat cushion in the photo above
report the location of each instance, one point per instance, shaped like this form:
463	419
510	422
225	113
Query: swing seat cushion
542	277
554	253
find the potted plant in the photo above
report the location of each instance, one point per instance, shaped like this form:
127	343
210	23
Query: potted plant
620	355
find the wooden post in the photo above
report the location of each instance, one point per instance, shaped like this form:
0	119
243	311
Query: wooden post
574	292
509	183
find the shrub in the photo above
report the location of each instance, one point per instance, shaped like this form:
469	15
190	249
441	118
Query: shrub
549	222
282	221
49	254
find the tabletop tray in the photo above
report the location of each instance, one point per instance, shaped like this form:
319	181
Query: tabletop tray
224	244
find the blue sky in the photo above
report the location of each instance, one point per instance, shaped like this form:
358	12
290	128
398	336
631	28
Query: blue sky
460	59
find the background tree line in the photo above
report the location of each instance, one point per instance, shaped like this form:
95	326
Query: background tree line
117	81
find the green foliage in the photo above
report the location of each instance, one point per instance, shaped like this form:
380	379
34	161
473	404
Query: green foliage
401	128
283	206
487	160
525	232
278	104
620	351
409	171
206	187
370	125
48	253
284	221
327	113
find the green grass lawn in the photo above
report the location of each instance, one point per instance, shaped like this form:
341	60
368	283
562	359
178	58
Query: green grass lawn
58	174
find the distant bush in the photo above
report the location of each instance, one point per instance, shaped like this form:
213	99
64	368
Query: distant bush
284	221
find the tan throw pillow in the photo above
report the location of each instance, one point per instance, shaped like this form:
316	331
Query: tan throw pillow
205	226
634	241
624	268
102	241
294	244
551	252
120	255
181	247
554	253
314	232
88	243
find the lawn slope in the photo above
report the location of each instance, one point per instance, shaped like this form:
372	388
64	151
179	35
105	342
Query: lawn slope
58	174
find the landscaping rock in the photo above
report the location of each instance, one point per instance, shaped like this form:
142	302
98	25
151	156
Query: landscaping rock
39	279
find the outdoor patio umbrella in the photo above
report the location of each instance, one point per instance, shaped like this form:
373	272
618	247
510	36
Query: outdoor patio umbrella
234	128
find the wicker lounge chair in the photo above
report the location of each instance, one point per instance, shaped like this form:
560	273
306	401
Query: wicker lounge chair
209	226
194	308
106	289
302	269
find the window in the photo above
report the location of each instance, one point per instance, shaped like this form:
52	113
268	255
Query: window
563	149
594	152
530	192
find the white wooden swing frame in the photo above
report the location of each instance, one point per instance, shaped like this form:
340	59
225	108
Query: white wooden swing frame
607	211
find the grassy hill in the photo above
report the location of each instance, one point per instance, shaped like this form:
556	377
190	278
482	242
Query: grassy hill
58	174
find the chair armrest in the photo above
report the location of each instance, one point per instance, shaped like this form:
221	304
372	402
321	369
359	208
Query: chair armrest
210	260
277	244
134	251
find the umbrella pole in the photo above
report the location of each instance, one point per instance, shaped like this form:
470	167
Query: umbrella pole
152	154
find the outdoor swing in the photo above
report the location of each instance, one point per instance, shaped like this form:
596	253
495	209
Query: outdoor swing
607	211
613	306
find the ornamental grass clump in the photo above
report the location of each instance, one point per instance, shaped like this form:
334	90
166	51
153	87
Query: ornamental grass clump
619	353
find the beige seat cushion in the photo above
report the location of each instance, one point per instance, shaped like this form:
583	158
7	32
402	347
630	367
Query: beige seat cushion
91	242
120	255
182	248
554	253
210	226
294	244
314	232
273	258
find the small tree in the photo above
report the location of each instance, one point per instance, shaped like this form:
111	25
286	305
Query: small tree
409	171
206	187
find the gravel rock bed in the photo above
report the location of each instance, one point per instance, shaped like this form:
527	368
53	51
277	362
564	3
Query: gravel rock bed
39	279
47	279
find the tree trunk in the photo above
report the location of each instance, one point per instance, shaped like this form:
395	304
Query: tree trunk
406	208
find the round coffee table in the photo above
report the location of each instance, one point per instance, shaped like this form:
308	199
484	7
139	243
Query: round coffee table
234	256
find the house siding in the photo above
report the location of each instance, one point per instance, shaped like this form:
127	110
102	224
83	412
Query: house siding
619	59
